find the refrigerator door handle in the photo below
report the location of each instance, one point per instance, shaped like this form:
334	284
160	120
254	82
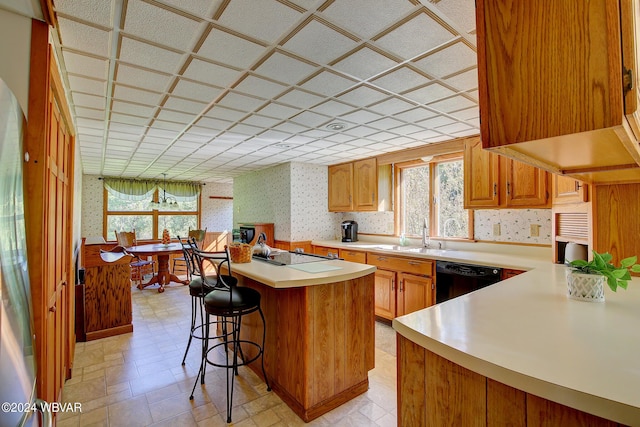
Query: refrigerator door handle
43	408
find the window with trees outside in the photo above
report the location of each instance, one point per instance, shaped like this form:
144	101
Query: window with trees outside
431	194
147	221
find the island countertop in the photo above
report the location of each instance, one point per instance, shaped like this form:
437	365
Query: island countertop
525	332
284	276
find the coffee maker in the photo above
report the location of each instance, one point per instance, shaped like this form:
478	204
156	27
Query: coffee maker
349	231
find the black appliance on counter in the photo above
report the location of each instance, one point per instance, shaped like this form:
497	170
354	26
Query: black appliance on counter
349	231
454	279
247	233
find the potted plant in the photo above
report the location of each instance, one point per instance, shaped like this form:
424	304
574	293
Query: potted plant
585	279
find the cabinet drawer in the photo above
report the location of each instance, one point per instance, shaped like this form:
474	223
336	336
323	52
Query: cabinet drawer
407	265
353	256
325	251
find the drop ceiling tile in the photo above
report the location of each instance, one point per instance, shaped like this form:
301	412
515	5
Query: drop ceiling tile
452	104
429	93
204	8
96	11
195	91
126	93
372	16
264	20
149	56
300	99
175	117
169	125
133	131
381	136
401	80
310	119
211	124
184	105
88	101
261	121
133	109
126	118
468	132
237	52
201	139
468	114
415	115
278	111
160	25
454	127
360	116
223	113
435	122
240	102
386	123
360	131
328	83
391	106
447	61
464	81
260	87
86	85
284	68
364	63
461	12
90	113
319	42
362	96
290	127
339	138
245	130
418	35
142	79
85	38
90	123
473	94
332	108
80	64
425	135
407	129
213	74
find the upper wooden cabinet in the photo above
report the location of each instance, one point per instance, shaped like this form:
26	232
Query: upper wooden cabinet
568	190
492	181
555	85
354	186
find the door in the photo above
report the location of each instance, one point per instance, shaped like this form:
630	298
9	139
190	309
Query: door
385	294
525	185
365	184
414	293
568	190
481	174
341	187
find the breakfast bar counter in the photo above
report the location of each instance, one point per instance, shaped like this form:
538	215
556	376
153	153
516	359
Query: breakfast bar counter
520	352
319	330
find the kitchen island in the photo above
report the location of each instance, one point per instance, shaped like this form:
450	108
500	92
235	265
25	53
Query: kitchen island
319	331
521	353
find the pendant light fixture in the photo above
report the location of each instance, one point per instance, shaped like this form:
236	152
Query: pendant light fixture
166	203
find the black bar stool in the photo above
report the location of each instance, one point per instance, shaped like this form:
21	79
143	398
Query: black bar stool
229	302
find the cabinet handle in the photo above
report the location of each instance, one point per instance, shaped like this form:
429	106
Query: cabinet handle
495	188
627	79
52	309
415	263
508	188
381	258
578	186
393	285
401	285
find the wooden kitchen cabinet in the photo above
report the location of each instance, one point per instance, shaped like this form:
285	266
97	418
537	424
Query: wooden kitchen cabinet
354	186
326	251
544	97
341	187
402	285
493	181
568	190
353	256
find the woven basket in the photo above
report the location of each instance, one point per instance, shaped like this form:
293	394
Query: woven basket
240	252
585	287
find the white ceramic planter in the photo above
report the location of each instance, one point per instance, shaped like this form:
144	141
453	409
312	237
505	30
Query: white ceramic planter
585	287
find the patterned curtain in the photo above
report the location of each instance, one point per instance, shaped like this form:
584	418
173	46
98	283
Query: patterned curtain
141	189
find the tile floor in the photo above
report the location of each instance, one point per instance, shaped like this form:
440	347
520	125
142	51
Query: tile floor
137	379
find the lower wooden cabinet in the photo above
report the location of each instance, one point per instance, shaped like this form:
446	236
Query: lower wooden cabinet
326	251
353	256
402	285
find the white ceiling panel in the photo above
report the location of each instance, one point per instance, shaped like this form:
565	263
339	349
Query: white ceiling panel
213	88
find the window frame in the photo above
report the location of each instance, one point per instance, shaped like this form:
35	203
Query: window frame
154	214
399	196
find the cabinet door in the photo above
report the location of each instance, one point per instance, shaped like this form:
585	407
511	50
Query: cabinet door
341	187
414	293
630	14
525	185
353	256
365	184
568	190
385	294
481	173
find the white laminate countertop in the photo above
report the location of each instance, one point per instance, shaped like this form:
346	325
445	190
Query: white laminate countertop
526	333
282	276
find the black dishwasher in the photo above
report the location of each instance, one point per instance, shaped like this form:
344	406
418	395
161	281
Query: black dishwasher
454	279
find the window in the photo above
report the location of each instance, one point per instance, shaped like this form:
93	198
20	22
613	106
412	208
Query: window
126	215
431	194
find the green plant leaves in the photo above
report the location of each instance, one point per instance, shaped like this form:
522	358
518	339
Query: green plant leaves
601	264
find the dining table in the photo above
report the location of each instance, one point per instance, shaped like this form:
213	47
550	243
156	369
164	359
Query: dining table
162	252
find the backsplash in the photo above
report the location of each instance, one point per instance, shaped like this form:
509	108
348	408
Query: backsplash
514	225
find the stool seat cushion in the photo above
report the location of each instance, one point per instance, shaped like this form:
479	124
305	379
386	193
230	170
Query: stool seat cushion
195	286
243	300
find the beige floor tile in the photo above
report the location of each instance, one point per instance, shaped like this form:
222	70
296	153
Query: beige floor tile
133	412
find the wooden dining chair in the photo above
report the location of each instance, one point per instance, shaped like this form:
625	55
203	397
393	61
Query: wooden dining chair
139	267
179	263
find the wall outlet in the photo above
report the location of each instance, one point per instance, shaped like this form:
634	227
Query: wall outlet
496	229
534	230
